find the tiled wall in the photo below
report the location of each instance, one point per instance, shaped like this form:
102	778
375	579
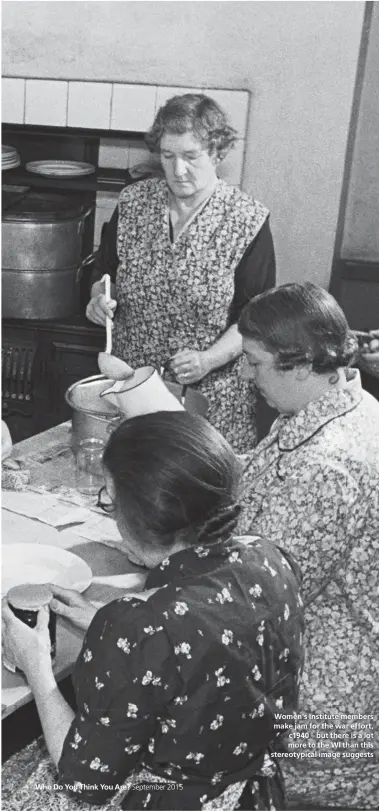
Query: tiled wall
102	105
114	106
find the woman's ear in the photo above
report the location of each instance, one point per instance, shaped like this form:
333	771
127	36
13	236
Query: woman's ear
110	485
302	372
214	156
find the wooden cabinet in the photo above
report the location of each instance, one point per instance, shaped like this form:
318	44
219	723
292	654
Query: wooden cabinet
40	360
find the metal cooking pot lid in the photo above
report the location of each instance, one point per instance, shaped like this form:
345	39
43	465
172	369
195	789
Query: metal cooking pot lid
35	206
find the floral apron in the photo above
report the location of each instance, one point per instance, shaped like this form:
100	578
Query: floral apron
176	296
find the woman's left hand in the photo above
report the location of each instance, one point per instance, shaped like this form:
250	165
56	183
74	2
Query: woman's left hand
6	441
22	646
190	366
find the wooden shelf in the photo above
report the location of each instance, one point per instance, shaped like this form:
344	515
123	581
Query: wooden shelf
100	180
75	323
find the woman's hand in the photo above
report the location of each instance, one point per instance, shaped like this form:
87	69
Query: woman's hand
72	605
98	308
190	366
22	646
6	441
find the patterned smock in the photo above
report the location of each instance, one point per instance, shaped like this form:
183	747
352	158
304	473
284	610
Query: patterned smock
312	485
178	295
182	689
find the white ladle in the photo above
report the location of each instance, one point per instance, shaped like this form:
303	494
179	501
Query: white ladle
111	367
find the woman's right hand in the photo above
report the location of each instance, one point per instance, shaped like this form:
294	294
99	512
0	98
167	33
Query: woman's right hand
73	606
98	308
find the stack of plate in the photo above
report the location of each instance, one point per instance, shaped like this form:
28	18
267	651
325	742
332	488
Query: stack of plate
52	168
9	157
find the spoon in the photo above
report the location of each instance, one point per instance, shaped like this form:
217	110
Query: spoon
113	367
109	365
108	323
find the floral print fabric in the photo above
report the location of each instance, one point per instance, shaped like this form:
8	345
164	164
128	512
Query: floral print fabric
312	485
173	296
186	684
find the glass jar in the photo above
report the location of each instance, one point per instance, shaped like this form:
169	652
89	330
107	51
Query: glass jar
89	466
26	601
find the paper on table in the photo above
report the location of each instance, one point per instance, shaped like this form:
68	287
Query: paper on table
17	528
131	580
44	508
69	495
99	528
54	450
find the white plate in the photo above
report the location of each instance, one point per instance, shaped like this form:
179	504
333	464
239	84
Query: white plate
39	563
10	164
60	168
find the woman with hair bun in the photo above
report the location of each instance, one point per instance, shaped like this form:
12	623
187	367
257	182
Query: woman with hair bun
177	688
312	486
185	252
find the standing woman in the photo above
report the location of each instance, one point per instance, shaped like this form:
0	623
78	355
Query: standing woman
191	251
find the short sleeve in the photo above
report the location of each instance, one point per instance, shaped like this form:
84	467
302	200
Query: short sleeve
255	273
106	260
124	676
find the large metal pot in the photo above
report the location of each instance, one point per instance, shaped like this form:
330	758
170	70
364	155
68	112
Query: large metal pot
41	255
93	417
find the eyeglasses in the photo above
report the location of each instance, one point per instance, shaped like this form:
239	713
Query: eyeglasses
104	502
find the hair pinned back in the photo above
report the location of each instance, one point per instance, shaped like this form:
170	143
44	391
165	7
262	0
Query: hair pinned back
173	471
219	525
300	324
193	112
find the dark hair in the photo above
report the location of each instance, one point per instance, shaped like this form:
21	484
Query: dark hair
198	114
171	471
300	324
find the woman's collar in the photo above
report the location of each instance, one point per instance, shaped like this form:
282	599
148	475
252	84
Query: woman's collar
293	431
196	559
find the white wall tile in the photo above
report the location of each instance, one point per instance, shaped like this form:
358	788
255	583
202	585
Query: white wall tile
46	102
231	169
89	105
13	100
236	105
165	93
114	153
133	107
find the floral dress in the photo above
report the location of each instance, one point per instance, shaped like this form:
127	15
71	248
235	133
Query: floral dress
312	485
177	295
177	695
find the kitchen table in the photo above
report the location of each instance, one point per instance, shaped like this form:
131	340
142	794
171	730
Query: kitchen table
52	467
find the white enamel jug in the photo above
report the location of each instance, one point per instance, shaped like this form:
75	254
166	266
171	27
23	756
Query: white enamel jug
144	393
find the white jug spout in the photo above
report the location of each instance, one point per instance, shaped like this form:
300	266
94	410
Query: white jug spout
144	393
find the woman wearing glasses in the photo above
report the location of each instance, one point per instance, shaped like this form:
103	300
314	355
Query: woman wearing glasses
185	253
176	693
